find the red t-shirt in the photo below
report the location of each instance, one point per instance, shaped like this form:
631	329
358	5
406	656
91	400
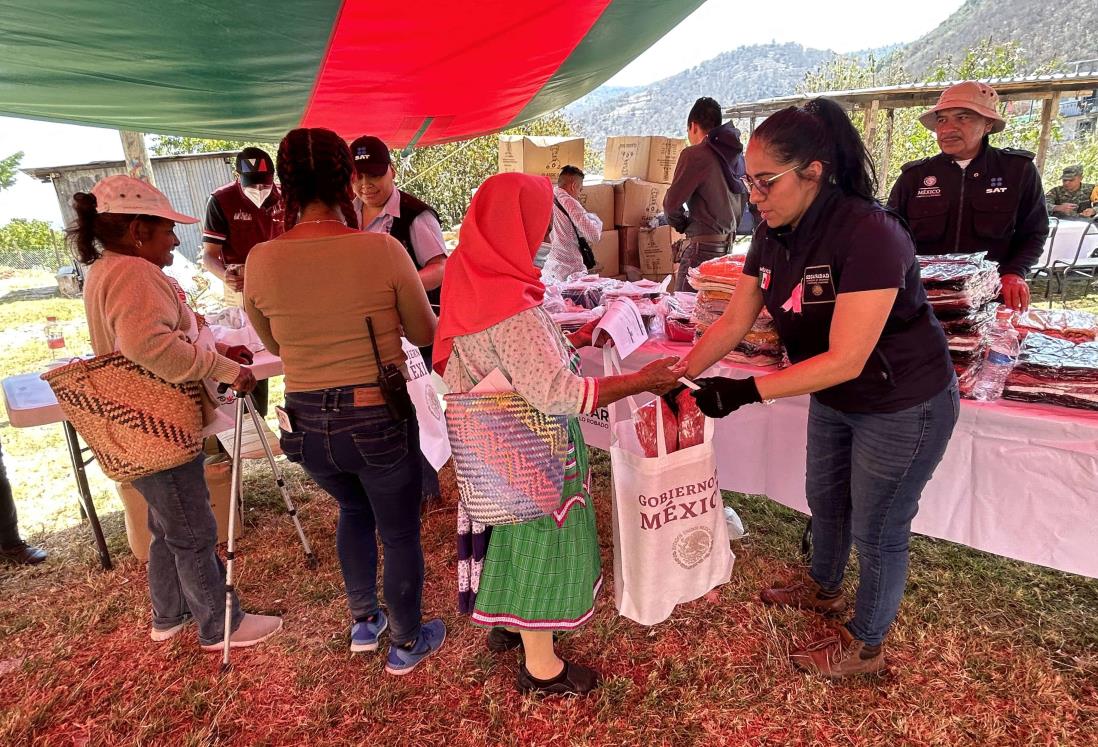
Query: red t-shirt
234	222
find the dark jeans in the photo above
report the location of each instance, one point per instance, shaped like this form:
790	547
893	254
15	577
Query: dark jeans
9	522
865	476
186	576
260	394
372	466
693	254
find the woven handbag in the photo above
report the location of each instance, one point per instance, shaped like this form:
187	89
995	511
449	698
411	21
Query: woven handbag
508	457
135	422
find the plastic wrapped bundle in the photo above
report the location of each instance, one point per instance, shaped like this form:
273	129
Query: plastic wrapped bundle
1055	371
691	420
957	284
720	274
1067	324
645	423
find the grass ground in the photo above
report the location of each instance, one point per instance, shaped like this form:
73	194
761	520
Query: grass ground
986	651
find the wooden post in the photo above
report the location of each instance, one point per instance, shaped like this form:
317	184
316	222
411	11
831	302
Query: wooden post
1050	109
886	154
871	124
138	164
751	126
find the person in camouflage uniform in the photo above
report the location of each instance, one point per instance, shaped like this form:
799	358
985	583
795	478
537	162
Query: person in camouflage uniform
1072	198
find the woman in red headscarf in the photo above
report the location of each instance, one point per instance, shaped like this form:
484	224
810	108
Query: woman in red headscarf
527	580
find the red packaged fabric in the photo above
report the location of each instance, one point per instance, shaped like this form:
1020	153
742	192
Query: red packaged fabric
645	423
691	421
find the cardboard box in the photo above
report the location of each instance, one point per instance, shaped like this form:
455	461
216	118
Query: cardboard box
630	257
627	156
608	254
655	250
663	156
544	156
599	199
218	481
648	157
636	201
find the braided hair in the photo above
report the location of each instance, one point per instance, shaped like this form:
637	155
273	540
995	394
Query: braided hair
314	164
92	231
821	131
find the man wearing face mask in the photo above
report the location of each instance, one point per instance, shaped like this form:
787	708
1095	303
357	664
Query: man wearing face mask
239	215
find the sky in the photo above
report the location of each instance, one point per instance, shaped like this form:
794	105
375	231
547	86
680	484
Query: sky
718	26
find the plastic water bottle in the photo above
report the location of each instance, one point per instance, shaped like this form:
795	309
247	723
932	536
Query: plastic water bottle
1002	354
55	336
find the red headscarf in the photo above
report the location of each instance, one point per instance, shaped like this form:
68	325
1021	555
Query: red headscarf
491	275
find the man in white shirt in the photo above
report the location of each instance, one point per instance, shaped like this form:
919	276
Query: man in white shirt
570	222
382	208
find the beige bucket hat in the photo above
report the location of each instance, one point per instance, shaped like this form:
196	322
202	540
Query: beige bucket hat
972	95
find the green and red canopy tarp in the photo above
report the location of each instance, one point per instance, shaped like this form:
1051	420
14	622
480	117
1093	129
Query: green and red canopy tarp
409	72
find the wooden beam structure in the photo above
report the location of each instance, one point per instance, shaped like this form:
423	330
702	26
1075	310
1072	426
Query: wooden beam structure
886	154
1049	109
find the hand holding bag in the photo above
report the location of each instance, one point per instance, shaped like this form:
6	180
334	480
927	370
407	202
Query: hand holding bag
670	537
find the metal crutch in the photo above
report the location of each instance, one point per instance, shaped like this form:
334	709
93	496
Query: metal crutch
260	427
234	497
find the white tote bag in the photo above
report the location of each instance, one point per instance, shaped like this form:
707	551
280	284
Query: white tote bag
434	441
670	537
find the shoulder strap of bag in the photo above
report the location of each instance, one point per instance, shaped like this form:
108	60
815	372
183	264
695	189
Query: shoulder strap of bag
373	344
569	217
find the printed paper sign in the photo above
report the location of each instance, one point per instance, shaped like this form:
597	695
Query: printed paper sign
622	322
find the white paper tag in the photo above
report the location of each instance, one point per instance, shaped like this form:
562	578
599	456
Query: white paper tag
492	383
623	323
283	420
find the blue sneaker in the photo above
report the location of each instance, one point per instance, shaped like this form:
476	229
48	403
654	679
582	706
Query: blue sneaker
404	660
364	635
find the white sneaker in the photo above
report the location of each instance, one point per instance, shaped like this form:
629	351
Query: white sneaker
159	635
253	629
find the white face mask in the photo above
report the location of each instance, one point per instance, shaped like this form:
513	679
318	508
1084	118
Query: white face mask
258	195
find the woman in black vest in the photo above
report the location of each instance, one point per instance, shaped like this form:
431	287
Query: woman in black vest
838	273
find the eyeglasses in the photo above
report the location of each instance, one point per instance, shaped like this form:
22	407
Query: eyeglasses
763	185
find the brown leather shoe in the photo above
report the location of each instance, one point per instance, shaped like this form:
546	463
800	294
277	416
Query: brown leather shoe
837	656
804	594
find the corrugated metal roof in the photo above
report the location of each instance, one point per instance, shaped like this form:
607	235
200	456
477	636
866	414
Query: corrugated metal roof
186	180
924	94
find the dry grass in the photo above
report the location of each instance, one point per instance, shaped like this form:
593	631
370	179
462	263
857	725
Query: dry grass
987	652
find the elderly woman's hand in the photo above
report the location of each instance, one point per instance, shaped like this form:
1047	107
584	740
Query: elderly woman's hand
245	381
662	375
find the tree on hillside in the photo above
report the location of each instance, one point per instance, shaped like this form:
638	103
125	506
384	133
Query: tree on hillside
442	175
9	169
177	145
910	140
446	175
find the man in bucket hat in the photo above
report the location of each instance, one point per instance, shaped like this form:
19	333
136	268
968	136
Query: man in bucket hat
1072	199
973	197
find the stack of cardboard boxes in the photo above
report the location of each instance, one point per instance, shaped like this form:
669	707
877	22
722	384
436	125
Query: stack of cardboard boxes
638	171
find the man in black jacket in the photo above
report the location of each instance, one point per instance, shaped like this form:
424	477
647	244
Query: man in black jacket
705	198
973	197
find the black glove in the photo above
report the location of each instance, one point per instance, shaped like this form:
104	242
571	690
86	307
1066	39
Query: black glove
671	399
719	396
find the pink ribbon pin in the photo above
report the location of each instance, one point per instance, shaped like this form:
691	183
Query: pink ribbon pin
794	302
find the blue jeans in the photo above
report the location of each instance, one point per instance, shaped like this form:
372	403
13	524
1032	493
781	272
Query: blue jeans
371	465
186	576
865	476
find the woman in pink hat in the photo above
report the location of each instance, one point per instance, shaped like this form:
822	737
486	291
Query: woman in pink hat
973	197
124	232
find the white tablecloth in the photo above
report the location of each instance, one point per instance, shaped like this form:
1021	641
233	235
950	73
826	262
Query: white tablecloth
1018	480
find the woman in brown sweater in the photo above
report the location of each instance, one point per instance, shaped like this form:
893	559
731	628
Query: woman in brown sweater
124	232
309	294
